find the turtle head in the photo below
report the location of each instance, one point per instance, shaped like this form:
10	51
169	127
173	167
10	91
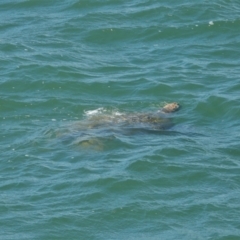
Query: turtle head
171	107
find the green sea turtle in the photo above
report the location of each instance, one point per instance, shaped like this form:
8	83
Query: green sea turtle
100	125
157	120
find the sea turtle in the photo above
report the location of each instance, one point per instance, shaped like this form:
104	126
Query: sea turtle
101	125
157	120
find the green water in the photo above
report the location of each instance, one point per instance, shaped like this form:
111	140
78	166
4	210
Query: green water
63	62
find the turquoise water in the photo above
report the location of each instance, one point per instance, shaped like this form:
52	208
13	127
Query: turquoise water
63	62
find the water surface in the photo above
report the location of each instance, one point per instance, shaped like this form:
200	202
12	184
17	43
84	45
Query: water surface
62	60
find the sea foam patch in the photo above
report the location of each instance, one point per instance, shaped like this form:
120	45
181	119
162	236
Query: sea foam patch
100	111
94	112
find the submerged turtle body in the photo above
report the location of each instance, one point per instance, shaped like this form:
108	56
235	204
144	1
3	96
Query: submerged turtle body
97	128
126	121
156	120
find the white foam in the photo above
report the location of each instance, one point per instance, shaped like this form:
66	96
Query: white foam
94	112
118	114
103	111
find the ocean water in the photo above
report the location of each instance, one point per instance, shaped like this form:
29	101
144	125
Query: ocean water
64	175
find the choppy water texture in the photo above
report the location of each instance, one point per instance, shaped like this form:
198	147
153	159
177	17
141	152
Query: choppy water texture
63	61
